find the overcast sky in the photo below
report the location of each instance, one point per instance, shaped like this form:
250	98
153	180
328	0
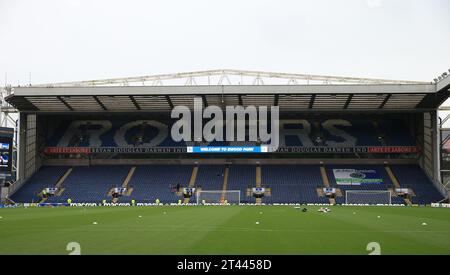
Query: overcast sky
67	40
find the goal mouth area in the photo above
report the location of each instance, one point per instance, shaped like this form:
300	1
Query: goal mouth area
218	197
368	197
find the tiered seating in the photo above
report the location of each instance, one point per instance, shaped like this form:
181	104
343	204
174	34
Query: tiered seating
412	176
91	183
292	183
210	177
240	178
288	183
151	182
47	176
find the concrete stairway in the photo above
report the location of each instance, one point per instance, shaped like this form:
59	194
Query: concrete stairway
326	182
258	182
225	182
60	182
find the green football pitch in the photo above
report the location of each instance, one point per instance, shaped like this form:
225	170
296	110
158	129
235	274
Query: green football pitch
210	230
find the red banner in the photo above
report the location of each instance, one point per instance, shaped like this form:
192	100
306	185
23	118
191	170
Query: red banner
67	150
393	149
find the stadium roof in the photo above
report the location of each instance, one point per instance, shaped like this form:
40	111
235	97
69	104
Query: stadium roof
229	77
291	92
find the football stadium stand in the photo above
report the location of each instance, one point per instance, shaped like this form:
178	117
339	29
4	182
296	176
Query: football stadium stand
411	176
292	183
86	142
46	177
91	183
210	177
151	182
288	183
242	177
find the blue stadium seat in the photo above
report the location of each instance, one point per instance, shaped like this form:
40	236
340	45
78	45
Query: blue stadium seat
210	177
241	177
